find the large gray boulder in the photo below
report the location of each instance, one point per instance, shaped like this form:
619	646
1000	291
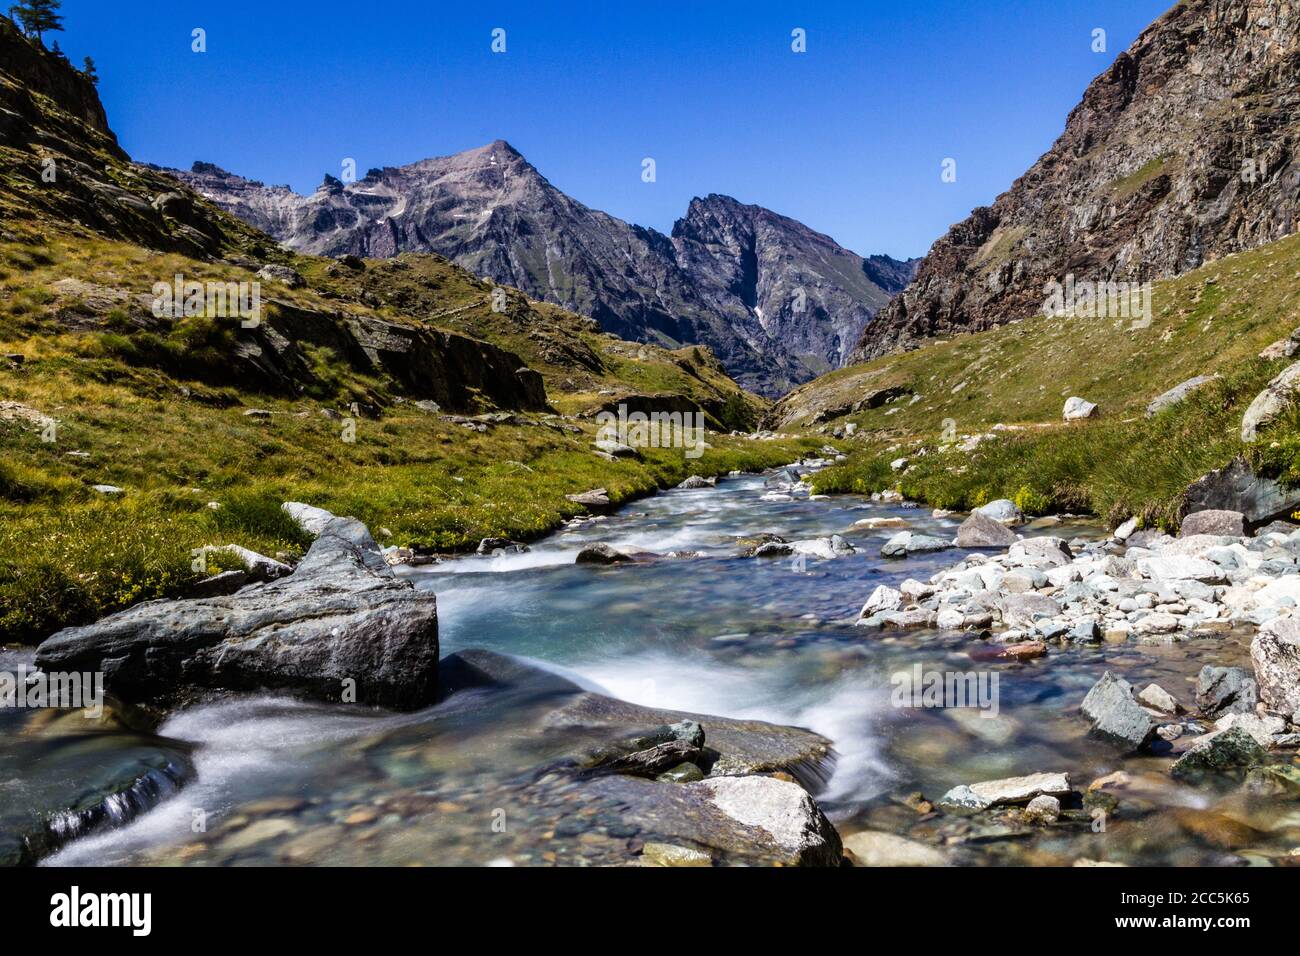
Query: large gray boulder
1116	717
1213	521
1275	652
1002	509
1236	487
781	812
1177	394
341	622
981	531
1276	397
1225	690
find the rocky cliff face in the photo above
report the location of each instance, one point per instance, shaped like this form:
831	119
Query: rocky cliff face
809	294
1182	152
776	301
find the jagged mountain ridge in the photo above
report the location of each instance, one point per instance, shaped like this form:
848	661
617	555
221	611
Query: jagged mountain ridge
775	300
1150	178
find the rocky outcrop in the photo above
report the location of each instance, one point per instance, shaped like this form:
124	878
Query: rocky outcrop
1236	487
50	113
1279	395
778	302
341	623
455	371
1181	152
1275	652
1177	394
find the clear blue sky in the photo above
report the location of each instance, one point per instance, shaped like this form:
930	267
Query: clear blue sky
847	137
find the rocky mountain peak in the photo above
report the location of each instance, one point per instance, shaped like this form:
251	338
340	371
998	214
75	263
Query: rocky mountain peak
777	302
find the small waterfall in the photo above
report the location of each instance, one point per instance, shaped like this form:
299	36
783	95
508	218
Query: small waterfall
116	809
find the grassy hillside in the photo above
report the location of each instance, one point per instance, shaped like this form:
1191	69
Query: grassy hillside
1010	384
152	410
96	390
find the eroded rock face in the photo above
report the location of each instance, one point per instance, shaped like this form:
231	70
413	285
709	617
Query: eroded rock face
430	364
342	616
1143	184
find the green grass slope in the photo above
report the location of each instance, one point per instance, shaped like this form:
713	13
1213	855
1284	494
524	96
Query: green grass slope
1010	384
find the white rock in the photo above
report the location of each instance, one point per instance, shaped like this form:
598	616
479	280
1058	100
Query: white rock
883	598
1009	791
782	809
1076	408
308	517
830	547
950	619
1157	698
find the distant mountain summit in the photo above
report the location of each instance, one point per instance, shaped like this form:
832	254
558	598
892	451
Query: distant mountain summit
777	302
1183	151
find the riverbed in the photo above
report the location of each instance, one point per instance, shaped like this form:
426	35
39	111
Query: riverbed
692	625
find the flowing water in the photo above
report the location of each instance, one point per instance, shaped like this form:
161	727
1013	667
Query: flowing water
706	630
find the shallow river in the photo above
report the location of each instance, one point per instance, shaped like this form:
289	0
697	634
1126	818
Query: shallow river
714	633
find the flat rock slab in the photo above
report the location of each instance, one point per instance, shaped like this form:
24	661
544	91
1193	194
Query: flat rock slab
877	848
732	747
1009	791
342	621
